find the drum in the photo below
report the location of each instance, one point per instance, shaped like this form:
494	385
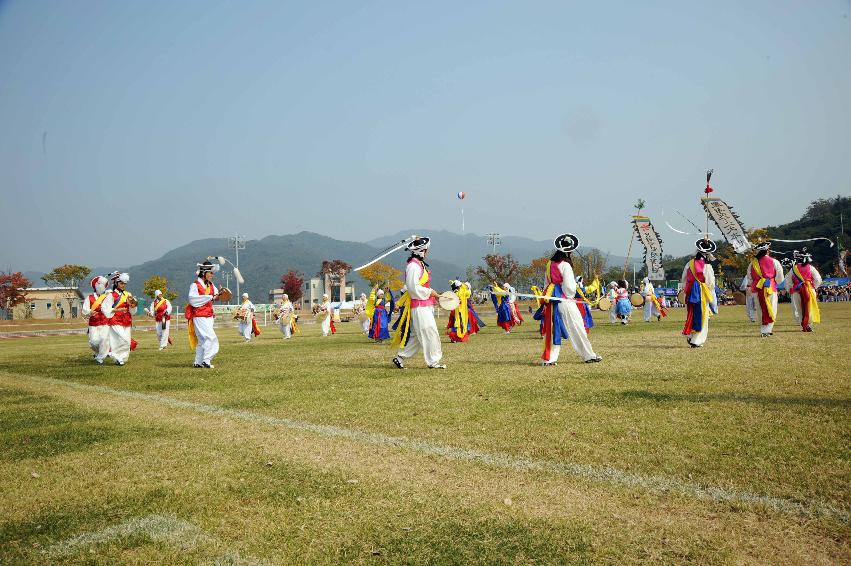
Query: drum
740	298
320	315
636	299
681	297
448	301
336	315
605	304
225	295
362	316
286	319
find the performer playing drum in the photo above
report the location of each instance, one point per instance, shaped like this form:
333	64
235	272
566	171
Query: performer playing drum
612	295
160	309
623	307
247	322
98	324
325	316
116	308
698	286
199	314
652	307
286	319
360	313
417	328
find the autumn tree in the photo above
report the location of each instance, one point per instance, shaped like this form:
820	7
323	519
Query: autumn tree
12	292
589	265
155	282
68	276
380	274
292	282
534	273
498	268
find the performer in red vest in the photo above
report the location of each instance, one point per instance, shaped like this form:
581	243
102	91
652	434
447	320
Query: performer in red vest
199	314
801	282
766	274
98	325
161	311
116	308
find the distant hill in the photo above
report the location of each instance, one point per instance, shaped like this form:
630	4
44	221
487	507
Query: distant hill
264	261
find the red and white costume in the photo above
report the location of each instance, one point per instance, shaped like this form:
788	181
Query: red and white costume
201	314
766	274
116	309
161	311
801	282
98	324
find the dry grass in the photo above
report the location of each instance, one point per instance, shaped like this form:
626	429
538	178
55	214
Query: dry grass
768	417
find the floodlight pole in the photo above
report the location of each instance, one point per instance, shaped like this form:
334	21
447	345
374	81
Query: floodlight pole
237	242
494	240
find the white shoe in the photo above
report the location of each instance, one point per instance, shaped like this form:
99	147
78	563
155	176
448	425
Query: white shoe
437	366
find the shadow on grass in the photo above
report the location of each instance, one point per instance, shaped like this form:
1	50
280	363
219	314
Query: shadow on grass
733	397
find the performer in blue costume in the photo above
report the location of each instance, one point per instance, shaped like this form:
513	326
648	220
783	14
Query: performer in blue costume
379	330
582	304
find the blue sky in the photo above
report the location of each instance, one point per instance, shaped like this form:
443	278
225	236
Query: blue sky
129	128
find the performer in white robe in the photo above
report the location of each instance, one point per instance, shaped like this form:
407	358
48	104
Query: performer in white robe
116	309
160	310
285	317
364	320
801	282
788	264
202	293
750	297
766	274
512	304
562	319
328	315
650	309
98	324
418	316
246	325
612	294
698	282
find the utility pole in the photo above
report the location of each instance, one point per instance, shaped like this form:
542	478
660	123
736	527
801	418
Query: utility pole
494	240
237	242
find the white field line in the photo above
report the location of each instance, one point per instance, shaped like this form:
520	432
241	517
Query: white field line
603	474
156	528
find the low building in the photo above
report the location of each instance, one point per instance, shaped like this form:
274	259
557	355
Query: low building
315	288
50	303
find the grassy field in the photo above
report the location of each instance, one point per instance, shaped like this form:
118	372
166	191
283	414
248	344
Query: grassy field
320	451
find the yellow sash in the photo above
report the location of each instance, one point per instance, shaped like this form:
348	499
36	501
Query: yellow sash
705	293
122	298
766	291
370	305
158	305
98	302
404	323
812	302
462	313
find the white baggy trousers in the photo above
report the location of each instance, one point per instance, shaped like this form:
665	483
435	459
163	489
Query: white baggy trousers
208	342
99	341
423	335
576	331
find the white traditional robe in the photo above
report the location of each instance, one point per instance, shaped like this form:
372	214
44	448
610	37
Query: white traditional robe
423	334
286	328
613	297
699	338
326	322
572	318
162	333
208	342
119	336
98	335
246	326
750	297
796	297
650	309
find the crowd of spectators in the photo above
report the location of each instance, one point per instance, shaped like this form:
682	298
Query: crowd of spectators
836	293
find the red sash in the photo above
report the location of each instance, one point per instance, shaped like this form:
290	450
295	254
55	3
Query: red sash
205	310
425	279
